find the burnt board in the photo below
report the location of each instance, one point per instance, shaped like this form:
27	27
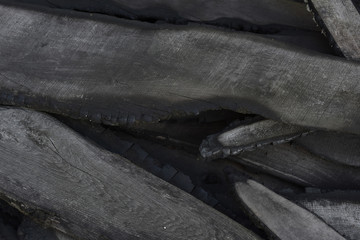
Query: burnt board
56	177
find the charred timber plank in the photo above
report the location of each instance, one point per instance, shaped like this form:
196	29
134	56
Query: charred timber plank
339	209
239	14
55	176
118	71
337	147
298	165
341	21
281	217
248	137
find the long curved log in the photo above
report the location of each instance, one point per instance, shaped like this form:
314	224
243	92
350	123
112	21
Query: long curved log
117	72
252	15
56	177
340	20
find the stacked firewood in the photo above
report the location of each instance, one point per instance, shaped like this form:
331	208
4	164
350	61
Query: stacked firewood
176	119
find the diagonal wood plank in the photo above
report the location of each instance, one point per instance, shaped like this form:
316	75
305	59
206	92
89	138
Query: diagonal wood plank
339	209
341	21
282	218
116	71
247	137
295	164
52	174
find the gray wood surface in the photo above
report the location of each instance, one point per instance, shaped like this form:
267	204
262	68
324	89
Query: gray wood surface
117	71
244	14
295	164
282	218
341	210
247	137
337	147
53	175
342	21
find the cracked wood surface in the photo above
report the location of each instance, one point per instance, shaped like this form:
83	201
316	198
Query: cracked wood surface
246	14
282	218
295	164
117	71
342	21
52	174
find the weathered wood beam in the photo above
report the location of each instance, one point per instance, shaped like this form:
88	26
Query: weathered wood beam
53	175
280	217
297	165
340	20
116	71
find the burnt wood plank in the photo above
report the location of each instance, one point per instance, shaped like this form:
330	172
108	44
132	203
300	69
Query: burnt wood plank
247	137
56	177
282	218
341	21
117	72
296	164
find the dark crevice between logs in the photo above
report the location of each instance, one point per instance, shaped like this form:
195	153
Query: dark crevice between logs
356	4
171	17
199	178
205	181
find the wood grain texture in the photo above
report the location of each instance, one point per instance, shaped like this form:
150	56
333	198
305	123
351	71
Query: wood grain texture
52	174
245	13
297	165
341	210
127	71
342	22
337	147
247	137
280	216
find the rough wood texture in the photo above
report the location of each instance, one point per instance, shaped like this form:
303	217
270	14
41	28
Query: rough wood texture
132	71
337	147
247	137
280	216
341	210
342	21
244	14
295	164
52	174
